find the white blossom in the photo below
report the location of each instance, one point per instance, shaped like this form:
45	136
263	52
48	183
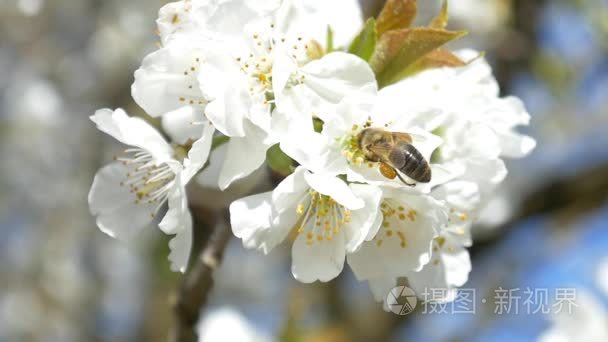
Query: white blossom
192	15
127	194
325	217
336	150
266	62
258	72
477	128
410	222
234	62
167	84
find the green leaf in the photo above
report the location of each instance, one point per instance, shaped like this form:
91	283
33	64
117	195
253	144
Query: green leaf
397	50
435	59
364	44
278	161
329	43
441	21
396	15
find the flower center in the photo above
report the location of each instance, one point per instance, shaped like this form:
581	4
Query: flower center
258	68
321	217
258	65
351	148
148	181
396	216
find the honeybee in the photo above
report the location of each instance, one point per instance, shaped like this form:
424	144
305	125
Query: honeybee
395	153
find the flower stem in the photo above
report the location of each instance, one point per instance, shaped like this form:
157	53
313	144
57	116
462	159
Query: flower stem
197	283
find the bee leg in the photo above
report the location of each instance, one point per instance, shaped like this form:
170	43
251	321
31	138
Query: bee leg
404	181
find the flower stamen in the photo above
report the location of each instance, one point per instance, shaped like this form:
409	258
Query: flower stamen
148	181
321	217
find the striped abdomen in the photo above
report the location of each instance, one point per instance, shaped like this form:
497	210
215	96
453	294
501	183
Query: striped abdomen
407	159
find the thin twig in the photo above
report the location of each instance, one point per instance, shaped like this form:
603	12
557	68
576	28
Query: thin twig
197	284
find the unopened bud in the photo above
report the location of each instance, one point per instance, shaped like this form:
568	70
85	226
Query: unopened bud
314	50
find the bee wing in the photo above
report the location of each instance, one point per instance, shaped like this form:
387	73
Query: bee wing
381	151
419	137
402	137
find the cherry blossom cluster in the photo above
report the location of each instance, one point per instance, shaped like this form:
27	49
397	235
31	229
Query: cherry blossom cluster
292	85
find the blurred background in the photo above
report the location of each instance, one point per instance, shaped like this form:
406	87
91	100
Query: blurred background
61	279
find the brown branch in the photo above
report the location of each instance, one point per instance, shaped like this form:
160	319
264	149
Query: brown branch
197	284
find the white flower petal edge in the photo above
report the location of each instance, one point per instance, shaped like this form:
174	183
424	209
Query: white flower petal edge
111	204
168	77
263	60
336	149
127	194
322	84
133	132
325	227
178	222
183	125
449	265
244	155
448	270
404	241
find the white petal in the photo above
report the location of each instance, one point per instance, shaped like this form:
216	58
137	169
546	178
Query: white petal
250	218
114	206
467	140
394	105
226	88
322	260
515	145
198	154
441	174
181	246
132	131
447	269
318	154
178	213
227	18
460	195
352	110
486	172
334	188
339	74
365	222
389	257
183	124
457	266
286	195
282	68
381	286
175	17
244	155
168	77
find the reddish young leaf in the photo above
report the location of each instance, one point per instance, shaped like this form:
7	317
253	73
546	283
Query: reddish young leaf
441	20
397	50
395	15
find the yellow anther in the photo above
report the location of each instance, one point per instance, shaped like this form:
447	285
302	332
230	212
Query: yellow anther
412	215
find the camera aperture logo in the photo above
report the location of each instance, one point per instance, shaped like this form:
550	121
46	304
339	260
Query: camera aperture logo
401	300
